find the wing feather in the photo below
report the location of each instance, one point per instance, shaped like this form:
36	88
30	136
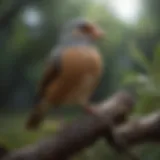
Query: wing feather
52	70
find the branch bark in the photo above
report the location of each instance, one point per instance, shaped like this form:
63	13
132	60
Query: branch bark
140	130
84	132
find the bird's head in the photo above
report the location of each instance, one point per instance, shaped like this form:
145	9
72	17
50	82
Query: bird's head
82	29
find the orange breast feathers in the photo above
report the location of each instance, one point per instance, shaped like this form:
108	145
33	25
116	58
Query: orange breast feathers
81	70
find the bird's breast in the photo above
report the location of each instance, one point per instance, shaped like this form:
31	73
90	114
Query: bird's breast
81	70
80	61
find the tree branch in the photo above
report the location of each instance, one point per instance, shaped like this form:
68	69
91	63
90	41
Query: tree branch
140	130
84	132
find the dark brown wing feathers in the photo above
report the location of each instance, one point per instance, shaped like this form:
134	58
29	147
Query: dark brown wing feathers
50	74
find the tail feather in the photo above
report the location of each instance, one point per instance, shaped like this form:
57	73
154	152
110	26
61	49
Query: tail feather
36	117
34	120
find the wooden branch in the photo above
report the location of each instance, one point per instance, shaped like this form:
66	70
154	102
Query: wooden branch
79	134
140	130
84	132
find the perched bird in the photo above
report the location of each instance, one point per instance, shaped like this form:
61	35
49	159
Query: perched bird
73	70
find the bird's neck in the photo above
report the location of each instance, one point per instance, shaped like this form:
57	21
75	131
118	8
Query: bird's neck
70	40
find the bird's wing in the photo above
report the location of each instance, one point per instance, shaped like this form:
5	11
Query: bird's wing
52	70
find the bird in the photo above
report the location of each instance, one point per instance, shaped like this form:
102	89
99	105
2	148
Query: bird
72	71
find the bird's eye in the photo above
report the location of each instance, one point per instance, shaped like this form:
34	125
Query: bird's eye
85	28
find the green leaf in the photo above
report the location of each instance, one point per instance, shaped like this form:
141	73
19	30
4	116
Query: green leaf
139	57
156	65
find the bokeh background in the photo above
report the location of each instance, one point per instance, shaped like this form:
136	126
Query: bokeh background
130	50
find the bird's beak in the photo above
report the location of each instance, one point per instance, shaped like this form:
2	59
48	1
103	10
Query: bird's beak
98	33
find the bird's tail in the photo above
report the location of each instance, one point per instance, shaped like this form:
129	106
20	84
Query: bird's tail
36	117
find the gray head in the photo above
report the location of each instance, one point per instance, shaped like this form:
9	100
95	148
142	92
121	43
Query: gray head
80	30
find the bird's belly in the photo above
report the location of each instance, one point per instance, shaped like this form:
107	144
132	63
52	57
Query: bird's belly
80	74
82	92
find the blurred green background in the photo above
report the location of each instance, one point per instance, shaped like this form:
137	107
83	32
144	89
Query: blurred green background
130	50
